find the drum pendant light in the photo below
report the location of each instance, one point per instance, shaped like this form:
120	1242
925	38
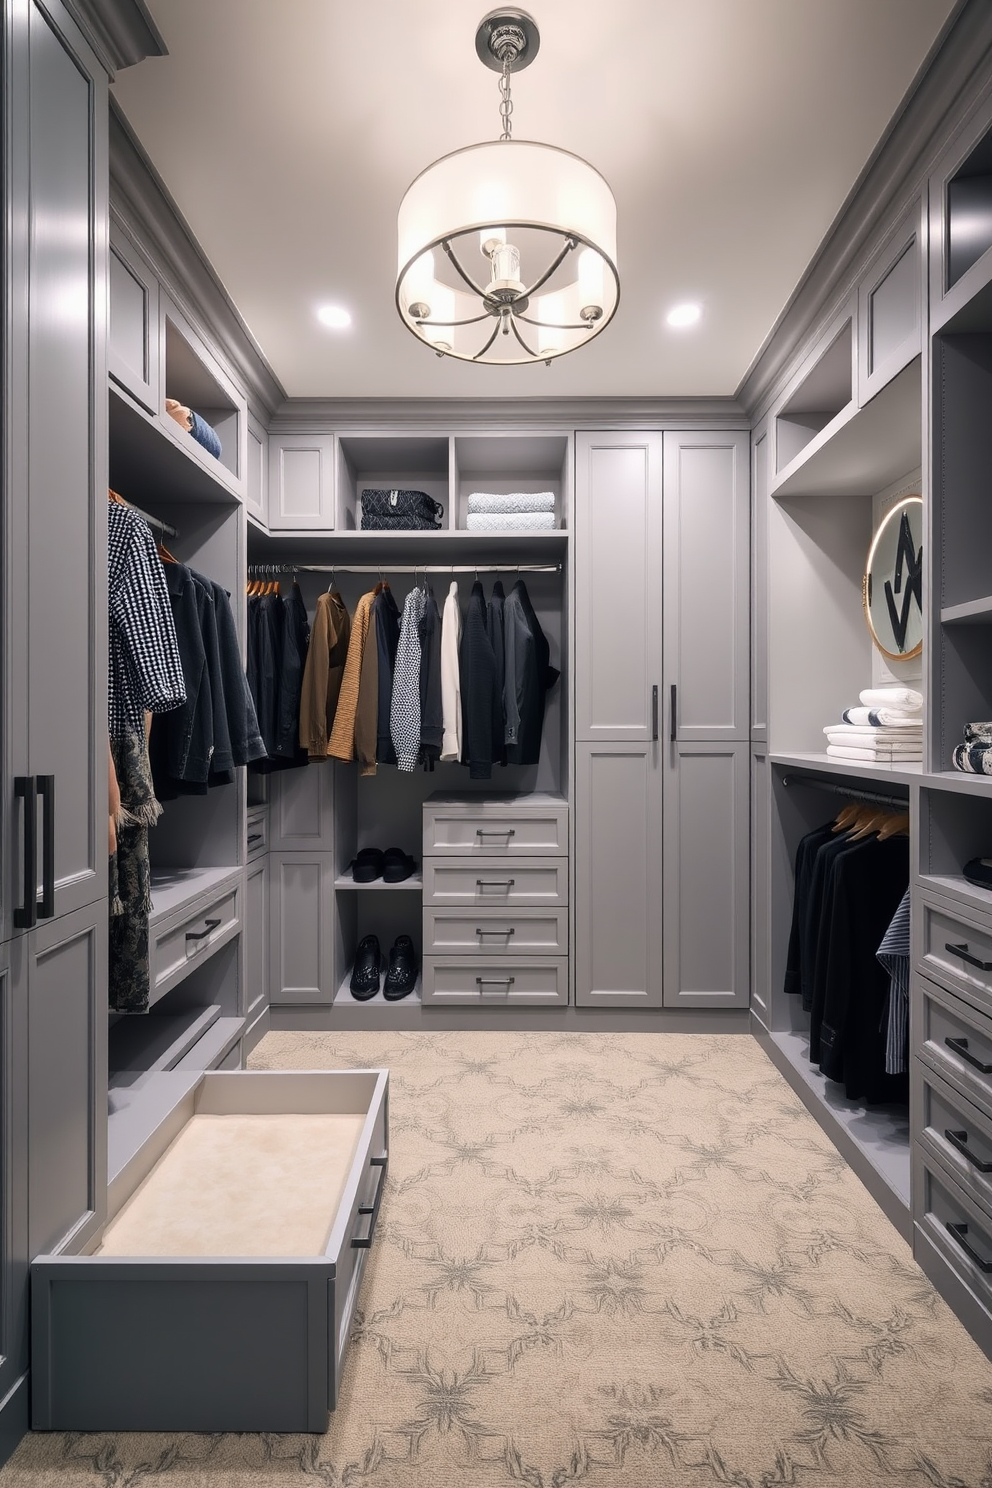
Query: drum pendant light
507	250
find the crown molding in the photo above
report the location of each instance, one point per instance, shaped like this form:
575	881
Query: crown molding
141	206
311	414
953	76
121	32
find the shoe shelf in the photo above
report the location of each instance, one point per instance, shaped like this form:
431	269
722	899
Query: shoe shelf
344	998
415	882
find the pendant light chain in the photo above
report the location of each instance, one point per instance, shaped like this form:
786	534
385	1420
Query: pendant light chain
505	101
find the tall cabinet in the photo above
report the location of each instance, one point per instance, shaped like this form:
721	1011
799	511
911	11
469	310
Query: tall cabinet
53	907
661	643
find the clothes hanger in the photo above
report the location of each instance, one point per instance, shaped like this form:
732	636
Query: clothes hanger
846	816
870	827
165	555
897	825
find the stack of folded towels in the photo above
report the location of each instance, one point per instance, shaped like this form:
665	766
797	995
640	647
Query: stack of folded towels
974	756
887	729
514	511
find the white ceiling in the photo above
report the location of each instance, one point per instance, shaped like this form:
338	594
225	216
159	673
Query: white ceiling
731	132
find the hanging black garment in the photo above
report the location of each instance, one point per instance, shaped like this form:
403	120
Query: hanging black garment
280	635
181	740
431	715
528	677
805	858
496	628
242	725
482	708
387	638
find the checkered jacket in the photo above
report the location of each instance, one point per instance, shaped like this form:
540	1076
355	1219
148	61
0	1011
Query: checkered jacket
146	672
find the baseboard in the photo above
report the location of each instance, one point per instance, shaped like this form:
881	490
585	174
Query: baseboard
14	1419
417	1018
256	1032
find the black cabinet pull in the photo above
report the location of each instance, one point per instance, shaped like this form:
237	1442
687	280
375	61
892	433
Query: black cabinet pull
960	1046
511	930
495	883
254	837
959	1231
959	1139
46	789
495	831
202	934
965	954
26	913
364	1242
675	714
654	713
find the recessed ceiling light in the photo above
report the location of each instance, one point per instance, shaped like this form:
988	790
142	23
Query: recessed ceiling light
334	316
683	315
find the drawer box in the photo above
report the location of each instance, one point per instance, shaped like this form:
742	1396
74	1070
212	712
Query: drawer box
953	1243
258	832
460	882
525	932
504	980
956	950
177	943
955	1132
195	1314
490	829
953	1039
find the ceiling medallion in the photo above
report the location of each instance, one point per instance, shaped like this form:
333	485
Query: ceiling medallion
544	221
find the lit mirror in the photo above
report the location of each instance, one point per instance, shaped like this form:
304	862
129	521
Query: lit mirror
893	584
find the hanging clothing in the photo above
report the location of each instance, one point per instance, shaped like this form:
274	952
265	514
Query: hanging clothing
404	715
387	639
367	712
451	699
146	672
323	673
528	677
893	955
341	744
496	627
431	714
281	636
482	704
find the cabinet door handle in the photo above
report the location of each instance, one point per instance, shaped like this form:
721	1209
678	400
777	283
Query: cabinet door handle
675	714
960	1046
654	713
26	913
963	951
495	831
495	883
46	789
495	981
510	930
254	837
959	1231
959	1139
364	1242
202	934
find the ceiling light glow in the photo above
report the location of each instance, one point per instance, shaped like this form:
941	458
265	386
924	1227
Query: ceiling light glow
683	315
334	316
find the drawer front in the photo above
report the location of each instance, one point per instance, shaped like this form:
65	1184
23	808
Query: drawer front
492	885
955	1132
955	1226
258	833
955	1040
957	953
503	981
486	835
483	933
178	945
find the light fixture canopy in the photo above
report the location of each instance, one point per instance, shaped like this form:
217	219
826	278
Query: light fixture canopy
542	219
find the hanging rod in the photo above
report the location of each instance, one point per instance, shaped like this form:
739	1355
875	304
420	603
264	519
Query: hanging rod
259	570
165	528
851	793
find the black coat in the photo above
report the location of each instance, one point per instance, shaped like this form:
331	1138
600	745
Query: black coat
528	677
387	638
431	715
482	706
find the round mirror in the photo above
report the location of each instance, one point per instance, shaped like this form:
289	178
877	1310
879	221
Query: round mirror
893	585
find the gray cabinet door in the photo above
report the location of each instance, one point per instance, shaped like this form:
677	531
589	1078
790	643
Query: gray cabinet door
301	920
706	582
55	497
618	875
706	912
301	808
134	324
13	1195
67	1078
618	567
301	482
256	933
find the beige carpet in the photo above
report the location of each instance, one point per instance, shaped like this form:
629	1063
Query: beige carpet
605	1260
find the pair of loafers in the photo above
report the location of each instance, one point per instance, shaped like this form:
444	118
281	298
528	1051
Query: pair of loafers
401	973
392	866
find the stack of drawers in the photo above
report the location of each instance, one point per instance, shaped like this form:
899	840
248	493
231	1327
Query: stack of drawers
495	900
951	1019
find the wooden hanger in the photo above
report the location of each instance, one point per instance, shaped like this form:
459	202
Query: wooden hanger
897	825
165	555
874	818
846	816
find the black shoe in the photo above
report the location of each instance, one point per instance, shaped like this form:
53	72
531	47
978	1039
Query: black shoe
401	978
365	972
396	865
367	866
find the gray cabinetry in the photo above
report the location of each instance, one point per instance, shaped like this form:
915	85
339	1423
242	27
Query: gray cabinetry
890	307
257	473
301	482
256	937
13	1177
301	907
134	324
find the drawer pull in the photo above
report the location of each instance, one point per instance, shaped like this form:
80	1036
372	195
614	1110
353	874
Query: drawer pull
495	831
254	837
959	1139
495	883
202	934
960	1046
495	981
503	930
965	954
364	1242
959	1231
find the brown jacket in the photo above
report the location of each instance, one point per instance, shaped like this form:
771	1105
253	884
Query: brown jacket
342	741
323	674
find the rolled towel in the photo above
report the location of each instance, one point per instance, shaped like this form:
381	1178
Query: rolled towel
883	718
973	759
978	733
515	522
511	501
900	699
872	756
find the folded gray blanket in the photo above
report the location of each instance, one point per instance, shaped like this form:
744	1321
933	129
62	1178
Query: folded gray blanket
511	501
511	522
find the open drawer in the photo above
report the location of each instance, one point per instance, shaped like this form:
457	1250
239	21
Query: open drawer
219	1295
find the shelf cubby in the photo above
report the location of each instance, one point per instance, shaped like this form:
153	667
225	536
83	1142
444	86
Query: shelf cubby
388	462
955	827
191	377
511	463
823	393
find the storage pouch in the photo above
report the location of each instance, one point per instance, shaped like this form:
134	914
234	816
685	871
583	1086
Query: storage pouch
384	511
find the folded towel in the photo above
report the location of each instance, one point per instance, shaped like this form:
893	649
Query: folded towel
978	733
511	522
512	501
902	699
878	756
872	738
882	718
880	731
974	759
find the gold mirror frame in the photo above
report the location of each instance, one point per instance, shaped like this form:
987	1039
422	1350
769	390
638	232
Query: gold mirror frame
884	526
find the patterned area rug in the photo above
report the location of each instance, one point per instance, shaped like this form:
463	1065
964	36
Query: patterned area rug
609	1261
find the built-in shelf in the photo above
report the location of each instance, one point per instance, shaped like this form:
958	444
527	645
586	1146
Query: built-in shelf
507	548
826	764
955	886
152	459
174	888
414	882
158	1041
974	612
344	998
218	1041
961	782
